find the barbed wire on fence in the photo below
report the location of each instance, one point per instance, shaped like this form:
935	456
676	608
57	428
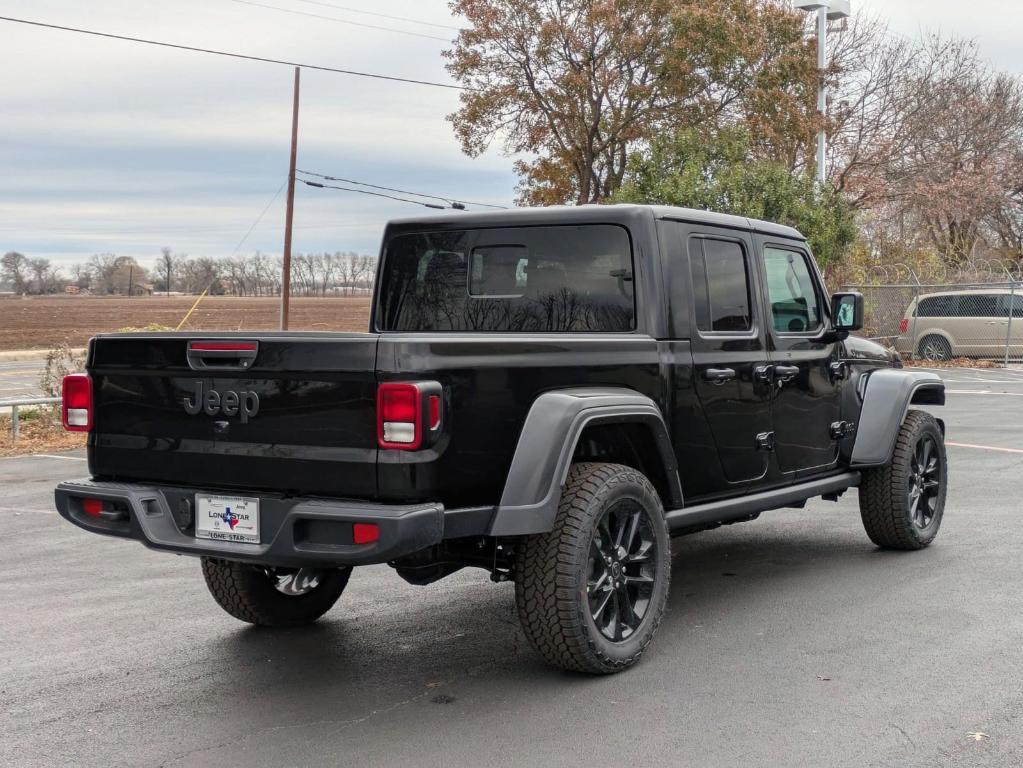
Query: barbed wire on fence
975	271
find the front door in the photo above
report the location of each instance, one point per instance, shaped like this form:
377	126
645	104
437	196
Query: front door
729	354
807	376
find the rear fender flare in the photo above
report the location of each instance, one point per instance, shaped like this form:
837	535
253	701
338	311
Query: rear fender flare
548	441
887	395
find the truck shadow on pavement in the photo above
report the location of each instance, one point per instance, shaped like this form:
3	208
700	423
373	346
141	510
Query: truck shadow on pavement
468	628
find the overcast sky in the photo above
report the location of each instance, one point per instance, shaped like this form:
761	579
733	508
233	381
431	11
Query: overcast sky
110	146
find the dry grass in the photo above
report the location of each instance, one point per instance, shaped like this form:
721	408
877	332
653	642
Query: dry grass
959	362
41	432
44	322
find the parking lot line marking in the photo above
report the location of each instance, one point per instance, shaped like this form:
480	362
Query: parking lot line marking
985	447
981	392
54	456
20	510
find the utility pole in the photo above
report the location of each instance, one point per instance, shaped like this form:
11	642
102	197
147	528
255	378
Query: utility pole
131	278
290	212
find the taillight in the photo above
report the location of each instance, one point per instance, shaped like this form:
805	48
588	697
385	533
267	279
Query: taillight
76	402
408	413
903	325
399	417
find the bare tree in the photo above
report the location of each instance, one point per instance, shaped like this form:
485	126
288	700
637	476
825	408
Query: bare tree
14	269
165	266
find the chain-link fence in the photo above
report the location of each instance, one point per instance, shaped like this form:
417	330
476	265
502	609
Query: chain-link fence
945	321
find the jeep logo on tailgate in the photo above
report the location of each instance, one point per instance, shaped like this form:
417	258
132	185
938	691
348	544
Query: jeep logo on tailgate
229	403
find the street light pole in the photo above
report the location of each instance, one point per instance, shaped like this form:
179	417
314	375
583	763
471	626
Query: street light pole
827	10
822	92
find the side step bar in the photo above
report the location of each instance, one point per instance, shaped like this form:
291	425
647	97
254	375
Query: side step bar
743	506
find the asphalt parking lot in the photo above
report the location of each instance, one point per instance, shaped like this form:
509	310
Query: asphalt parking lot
790	641
20	378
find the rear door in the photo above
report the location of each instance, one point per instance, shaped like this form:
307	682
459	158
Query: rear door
729	352
806	403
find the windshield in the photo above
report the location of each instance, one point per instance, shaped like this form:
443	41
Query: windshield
521	279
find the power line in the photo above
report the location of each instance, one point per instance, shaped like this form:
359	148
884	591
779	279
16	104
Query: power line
379	15
260	217
234	55
342	21
375	194
402	191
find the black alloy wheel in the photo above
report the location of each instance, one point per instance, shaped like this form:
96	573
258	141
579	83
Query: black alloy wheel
924	482
902	502
623	566
592	591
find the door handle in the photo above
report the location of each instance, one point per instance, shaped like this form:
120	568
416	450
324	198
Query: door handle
718	375
783	373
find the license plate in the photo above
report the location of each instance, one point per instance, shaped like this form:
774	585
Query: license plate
227	518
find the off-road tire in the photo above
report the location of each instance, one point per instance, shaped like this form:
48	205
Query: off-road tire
942	350
248	593
884	501
552	572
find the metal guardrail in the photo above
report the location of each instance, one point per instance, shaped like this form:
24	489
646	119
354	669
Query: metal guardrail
16	403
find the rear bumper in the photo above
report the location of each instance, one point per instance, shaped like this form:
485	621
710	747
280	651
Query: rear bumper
293	531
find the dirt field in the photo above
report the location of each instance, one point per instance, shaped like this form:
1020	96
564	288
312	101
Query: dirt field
44	322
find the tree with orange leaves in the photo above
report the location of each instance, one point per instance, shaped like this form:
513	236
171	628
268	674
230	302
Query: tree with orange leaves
577	84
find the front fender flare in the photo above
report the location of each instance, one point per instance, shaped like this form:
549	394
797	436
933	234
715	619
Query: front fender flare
547	443
887	396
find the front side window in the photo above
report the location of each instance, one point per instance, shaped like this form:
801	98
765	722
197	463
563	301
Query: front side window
525	279
721	295
795	307
1007	300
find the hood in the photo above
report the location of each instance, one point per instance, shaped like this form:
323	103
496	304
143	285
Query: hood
857	348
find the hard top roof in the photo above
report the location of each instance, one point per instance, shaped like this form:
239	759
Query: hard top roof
580	214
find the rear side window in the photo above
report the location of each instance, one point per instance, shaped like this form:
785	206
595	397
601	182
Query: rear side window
964	305
981	305
524	279
938	306
721	296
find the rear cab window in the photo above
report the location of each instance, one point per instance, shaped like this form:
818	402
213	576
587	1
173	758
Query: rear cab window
556	279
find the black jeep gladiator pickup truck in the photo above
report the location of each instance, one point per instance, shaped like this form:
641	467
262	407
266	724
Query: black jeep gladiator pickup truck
548	394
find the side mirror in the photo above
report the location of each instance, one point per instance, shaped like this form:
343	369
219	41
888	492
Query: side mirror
847	311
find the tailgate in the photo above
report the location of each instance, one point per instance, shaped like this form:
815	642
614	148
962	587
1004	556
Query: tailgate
278	412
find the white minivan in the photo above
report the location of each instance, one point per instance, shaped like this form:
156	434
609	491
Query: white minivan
971	323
